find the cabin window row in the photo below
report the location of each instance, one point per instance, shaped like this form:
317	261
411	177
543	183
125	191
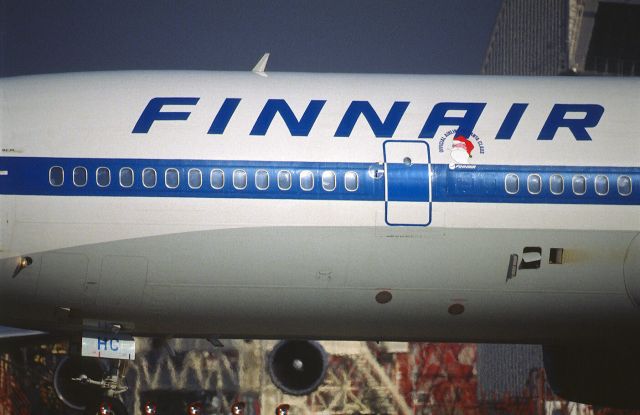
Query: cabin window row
239	179
557	184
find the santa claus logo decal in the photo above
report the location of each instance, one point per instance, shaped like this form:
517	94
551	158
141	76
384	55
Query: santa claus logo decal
463	150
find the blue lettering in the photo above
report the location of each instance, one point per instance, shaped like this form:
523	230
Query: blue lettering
511	121
561	116
577	126
152	113
380	128
466	123
221	120
102	343
296	128
115	345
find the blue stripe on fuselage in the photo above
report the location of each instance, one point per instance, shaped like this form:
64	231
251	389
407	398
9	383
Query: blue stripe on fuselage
486	184
476	184
30	176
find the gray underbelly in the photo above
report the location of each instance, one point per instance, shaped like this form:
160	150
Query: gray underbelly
323	283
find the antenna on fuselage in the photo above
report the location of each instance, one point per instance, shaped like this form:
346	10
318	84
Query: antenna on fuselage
261	66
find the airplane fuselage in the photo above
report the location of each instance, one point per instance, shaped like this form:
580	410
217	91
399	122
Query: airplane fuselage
321	206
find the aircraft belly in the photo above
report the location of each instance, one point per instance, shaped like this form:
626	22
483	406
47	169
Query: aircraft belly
412	314
323	282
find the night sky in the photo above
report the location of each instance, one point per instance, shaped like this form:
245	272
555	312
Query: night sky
437	36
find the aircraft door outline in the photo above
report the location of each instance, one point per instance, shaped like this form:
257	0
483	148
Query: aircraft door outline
407	183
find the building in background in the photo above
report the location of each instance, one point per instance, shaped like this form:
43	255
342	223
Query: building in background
547	38
362	378
558	37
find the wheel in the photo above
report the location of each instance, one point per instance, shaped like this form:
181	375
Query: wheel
78	395
106	406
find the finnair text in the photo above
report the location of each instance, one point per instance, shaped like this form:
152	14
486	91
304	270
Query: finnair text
577	118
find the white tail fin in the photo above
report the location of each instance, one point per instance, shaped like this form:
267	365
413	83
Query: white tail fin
261	66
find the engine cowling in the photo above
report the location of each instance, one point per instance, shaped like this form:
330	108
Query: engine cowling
297	367
603	375
75	394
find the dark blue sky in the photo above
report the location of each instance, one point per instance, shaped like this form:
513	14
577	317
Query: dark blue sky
436	36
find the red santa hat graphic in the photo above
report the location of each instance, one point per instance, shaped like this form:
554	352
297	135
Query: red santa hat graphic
461	150
462	142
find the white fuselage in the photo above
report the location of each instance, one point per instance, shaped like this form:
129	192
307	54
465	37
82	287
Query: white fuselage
379	198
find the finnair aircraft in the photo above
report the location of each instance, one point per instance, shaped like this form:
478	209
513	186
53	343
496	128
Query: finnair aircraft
316	206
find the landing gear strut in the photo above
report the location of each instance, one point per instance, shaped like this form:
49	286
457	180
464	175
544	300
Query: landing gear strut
112	385
88	385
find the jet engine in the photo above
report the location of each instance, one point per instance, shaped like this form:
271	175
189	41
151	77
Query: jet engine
297	367
75	393
603	375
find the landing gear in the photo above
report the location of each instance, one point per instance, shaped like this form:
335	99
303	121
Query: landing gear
86	384
112	385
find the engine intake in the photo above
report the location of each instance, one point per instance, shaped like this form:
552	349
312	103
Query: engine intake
297	367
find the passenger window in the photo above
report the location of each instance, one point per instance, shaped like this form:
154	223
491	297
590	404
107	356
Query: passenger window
126	177
149	177
579	185
351	181
284	180
217	179
329	181
56	176
511	183
239	179
79	176
103	176
534	184
306	180
171	178
262	179
602	185
556	184
195	178
624	185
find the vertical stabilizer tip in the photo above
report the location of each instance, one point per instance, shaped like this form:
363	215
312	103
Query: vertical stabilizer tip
261	66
